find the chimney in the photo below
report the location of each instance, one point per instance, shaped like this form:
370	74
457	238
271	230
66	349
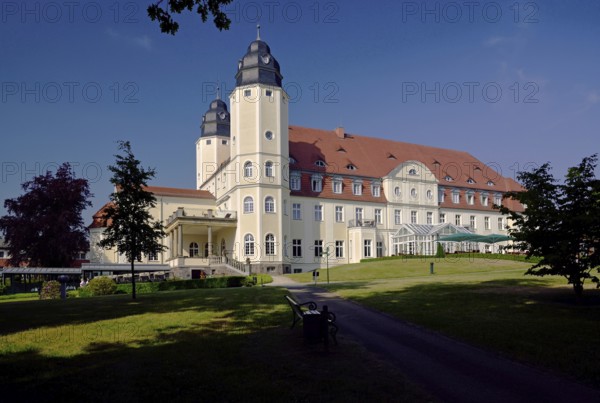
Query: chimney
339	131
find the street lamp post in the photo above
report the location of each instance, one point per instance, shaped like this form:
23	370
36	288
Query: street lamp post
326	253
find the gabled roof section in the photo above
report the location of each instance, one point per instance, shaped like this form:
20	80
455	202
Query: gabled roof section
371	156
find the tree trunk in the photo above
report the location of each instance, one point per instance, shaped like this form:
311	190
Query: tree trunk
132	279
578	288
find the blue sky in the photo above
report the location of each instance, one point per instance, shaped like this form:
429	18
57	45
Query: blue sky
514	83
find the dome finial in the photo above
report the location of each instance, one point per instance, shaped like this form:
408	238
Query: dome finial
218	88
258	32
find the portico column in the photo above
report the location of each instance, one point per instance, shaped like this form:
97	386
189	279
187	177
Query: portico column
210	246
179	241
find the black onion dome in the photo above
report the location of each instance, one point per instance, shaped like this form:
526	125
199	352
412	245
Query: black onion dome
215	121
258	66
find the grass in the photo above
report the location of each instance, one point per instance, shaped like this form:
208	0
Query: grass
19	297
190	345
487	303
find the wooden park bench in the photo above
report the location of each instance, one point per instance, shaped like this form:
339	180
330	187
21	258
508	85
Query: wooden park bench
311	314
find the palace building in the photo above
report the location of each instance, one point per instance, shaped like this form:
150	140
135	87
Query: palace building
275	198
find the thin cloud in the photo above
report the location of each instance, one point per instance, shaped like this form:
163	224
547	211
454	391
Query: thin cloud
143	41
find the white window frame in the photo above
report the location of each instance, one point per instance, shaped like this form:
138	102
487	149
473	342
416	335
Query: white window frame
248	245
296	211
397	217
378	216
269	205
270	245
339	213
316	183
248	205
318	212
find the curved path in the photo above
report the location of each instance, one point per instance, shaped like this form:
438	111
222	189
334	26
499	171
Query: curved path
450	370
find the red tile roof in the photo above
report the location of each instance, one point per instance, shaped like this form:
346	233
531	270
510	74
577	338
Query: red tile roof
376	158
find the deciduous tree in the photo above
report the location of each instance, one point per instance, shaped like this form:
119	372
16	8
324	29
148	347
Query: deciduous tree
131	228
560	223
43	227
163	13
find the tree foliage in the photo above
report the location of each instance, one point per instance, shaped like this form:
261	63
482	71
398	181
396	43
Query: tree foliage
43	227
560	223
131	228
203	8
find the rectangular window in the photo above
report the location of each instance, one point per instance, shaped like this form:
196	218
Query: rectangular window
484	200
470	198
429	218
455	197
268	93
337	186
339	213
152	257
296	211
339	249
413	217
317	183
297	270
376	190
441	195
397	217
297	247
358	214
378	216
247	93
442	218
208	142
318	212
457	219
379	249
500	223
367	248
486	222
472	222
224	142
295	181
318	248
357	188
498	200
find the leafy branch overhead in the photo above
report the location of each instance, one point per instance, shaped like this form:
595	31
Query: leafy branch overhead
560	222
163	13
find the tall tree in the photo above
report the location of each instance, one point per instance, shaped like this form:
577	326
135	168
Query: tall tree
131	228
162	13
43	227
560	223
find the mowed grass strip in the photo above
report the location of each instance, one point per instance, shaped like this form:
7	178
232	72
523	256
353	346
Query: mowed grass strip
193	345
491	304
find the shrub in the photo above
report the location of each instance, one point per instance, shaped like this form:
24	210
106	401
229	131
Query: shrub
101	286
50	290
440	251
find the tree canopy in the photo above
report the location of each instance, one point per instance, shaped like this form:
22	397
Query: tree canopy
131	230
44	227
560	223
163	13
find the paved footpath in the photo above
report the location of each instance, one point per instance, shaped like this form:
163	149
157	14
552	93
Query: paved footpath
450	370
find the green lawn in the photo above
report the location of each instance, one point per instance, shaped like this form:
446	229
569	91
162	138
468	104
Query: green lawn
487	303
193	345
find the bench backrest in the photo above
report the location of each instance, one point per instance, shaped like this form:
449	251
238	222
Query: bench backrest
295	306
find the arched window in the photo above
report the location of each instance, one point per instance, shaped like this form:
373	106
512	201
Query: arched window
269	205
270	244
248	204
249	245
248	169
194	249
269	169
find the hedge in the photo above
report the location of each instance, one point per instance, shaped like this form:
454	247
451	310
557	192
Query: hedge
171	285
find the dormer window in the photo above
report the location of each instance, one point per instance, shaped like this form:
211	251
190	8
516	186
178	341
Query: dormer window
470	198
485	198
341	150
490	183
455	196
295	180
320	163
316	183
337	185
412	172
376	189
351	167
357	188
391	156
448	178
470	181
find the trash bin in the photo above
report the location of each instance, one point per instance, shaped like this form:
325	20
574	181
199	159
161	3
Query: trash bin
312	329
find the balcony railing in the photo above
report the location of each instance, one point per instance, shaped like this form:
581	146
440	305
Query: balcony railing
365	223
202	213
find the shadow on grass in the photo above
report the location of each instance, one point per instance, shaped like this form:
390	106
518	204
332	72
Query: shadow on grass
521	318
242	350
